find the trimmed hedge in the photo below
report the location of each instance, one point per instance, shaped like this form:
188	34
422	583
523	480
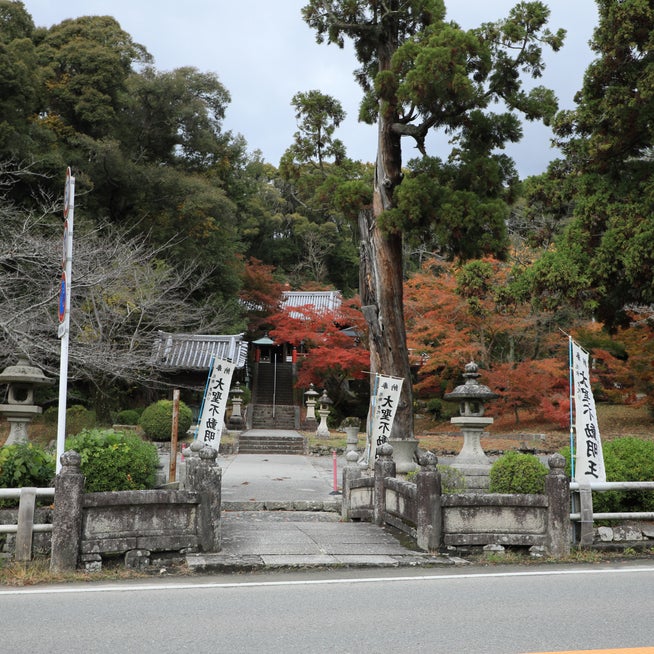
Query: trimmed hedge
114	460
128	417
517	472
157	420
625	459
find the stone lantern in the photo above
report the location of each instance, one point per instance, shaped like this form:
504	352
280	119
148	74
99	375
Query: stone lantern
19	410
472	460
311	396
323	411
236	419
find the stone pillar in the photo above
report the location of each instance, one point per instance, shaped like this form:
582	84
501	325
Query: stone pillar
323	430
351	471
191	459
557	488
311	396
236	419
205	477
67	516
429	527
323	412
384	467
472	460
351	439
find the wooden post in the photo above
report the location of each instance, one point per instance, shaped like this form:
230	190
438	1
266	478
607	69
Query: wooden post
172	473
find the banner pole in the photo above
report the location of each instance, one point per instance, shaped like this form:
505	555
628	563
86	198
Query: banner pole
570	384
64	313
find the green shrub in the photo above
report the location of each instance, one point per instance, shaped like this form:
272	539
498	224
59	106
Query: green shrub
625	459
452	480
128	417
115	461
49	416
516	472
434	408
25	464
78	418
157	420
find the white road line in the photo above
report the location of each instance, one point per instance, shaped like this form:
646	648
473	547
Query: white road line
131	587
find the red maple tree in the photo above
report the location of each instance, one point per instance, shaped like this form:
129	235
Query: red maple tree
331	345
261	293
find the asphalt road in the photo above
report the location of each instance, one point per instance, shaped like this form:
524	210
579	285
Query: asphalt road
491	610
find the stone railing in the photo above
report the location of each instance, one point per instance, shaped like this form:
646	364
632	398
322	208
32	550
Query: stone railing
89	526
437	521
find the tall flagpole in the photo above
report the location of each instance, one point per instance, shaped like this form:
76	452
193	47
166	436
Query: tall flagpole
571	385
64	311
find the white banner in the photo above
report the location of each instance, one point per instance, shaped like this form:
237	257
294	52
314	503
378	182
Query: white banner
384	399
215	402
589	462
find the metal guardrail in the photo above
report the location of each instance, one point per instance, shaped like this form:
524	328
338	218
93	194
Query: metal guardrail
15	493
613	485
25	527
582	505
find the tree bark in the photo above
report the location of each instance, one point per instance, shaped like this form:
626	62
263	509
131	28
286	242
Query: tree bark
381	275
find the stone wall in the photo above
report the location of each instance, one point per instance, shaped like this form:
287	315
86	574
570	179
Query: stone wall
136	525
439	521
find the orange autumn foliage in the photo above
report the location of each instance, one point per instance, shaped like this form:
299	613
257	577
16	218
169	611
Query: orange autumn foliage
457	313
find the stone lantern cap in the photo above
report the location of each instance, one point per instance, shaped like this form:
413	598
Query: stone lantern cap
324	399
472	394
237	390
311	393
23	373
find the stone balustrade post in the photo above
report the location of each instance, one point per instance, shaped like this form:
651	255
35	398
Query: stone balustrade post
384	467
429	518
557	488
204	476
351	471
67	516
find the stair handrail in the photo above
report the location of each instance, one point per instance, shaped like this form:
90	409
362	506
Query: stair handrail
274	397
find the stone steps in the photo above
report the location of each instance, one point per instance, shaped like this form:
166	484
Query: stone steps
269	444
262	417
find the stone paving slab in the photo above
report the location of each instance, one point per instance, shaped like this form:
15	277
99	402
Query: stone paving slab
288	539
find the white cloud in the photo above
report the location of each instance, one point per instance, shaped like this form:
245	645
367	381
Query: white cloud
264	53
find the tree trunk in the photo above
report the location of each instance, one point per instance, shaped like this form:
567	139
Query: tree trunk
381	277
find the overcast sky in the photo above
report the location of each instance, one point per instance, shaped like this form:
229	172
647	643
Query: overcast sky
264	53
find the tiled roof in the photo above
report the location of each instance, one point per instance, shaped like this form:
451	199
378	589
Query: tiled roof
194	351
320	300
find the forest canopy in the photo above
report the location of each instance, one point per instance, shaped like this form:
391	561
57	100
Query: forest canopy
178	219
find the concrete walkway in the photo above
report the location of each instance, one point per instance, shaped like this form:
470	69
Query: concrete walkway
281	511
280	481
